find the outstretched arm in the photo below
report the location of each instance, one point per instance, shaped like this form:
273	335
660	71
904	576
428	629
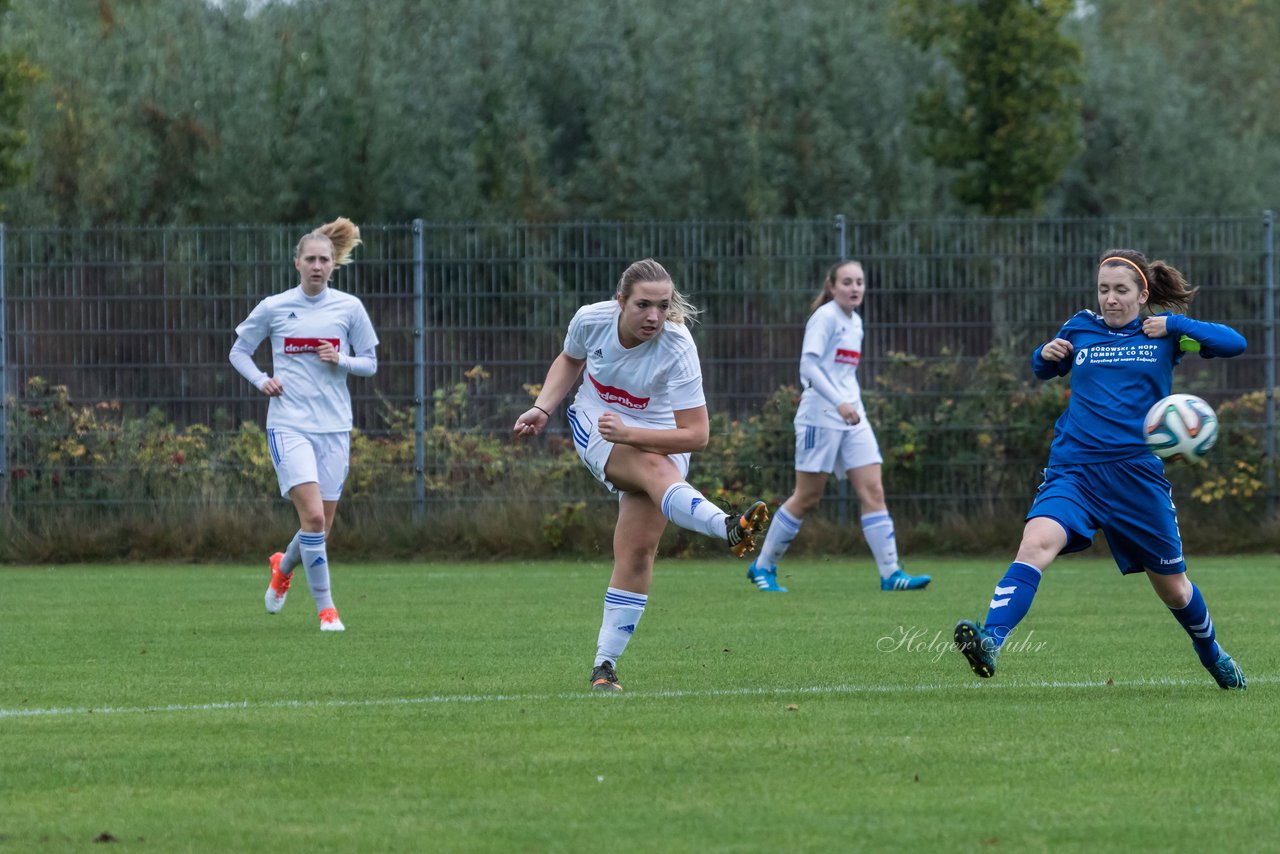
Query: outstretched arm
561	377
1215	339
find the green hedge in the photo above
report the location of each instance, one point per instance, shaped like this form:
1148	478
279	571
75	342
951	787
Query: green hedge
964	441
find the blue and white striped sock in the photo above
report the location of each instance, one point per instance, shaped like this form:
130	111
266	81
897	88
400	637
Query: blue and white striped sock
622	611
781	532
1194	617
877	530
1012	599
690	509
316	562
292	556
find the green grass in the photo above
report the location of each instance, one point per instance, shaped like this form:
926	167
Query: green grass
453	714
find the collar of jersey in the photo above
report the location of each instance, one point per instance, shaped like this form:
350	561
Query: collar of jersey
315	299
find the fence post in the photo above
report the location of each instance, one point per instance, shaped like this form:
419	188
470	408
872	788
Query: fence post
4	389
419	375
1269	313
842	481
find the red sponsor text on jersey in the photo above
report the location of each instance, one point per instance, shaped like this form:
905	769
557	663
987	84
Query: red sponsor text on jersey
622	397
848	357
307	345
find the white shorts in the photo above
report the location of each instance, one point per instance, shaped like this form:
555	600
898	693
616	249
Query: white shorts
594	450
320	458
820	449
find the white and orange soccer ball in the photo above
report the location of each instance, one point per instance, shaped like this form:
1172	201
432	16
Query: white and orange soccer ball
1181	427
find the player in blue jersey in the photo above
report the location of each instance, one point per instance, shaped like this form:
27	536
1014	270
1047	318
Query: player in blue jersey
1101	475
833	435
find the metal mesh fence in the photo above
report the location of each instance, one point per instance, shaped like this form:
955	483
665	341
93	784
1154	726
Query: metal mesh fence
125	331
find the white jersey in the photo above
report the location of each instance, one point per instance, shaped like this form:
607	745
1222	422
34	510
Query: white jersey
836	339
645	384
315	398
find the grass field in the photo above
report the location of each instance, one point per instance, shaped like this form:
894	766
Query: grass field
162	707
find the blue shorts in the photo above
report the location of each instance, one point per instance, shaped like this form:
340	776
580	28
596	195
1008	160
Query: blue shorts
1129	500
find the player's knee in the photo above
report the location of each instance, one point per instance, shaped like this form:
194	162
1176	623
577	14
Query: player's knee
871	497
635	552
802	501
1037	549
1173	590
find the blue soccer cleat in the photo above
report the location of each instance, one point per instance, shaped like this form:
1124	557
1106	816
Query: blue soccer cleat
765	579
978	646
901	581
1228	674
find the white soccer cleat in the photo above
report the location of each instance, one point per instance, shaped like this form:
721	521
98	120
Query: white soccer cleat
329	621
279	586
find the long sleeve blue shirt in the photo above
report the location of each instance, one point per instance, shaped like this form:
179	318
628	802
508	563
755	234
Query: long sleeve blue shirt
1116	376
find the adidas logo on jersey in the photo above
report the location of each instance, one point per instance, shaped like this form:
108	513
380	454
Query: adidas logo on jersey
293	316
597	353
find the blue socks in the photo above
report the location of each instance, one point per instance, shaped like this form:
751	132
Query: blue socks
1013	595
1011	600
1194	617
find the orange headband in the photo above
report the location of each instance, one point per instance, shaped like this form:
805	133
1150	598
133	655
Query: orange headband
1145	286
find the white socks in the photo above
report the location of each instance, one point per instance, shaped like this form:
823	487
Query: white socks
622	611
877	528
292	557
690	509
316	562
782	531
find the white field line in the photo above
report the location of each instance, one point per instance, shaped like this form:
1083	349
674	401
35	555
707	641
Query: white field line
240	705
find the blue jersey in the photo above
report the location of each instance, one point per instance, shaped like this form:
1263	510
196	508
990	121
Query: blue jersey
1116	376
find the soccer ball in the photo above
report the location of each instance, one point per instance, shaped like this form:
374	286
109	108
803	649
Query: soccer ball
1181	427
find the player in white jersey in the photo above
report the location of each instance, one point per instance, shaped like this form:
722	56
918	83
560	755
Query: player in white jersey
638	415
318	337
833	435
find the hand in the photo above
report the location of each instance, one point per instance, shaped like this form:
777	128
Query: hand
327	352
1156	327
612	429
849	413
1057	350
531	423
272	387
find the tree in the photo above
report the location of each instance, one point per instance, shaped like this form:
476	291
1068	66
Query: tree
1001	110
1179	108
15	77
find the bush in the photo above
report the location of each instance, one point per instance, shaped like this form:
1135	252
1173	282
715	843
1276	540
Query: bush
964	441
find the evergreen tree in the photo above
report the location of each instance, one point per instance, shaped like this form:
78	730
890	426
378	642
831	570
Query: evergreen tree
16	76
1002	112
